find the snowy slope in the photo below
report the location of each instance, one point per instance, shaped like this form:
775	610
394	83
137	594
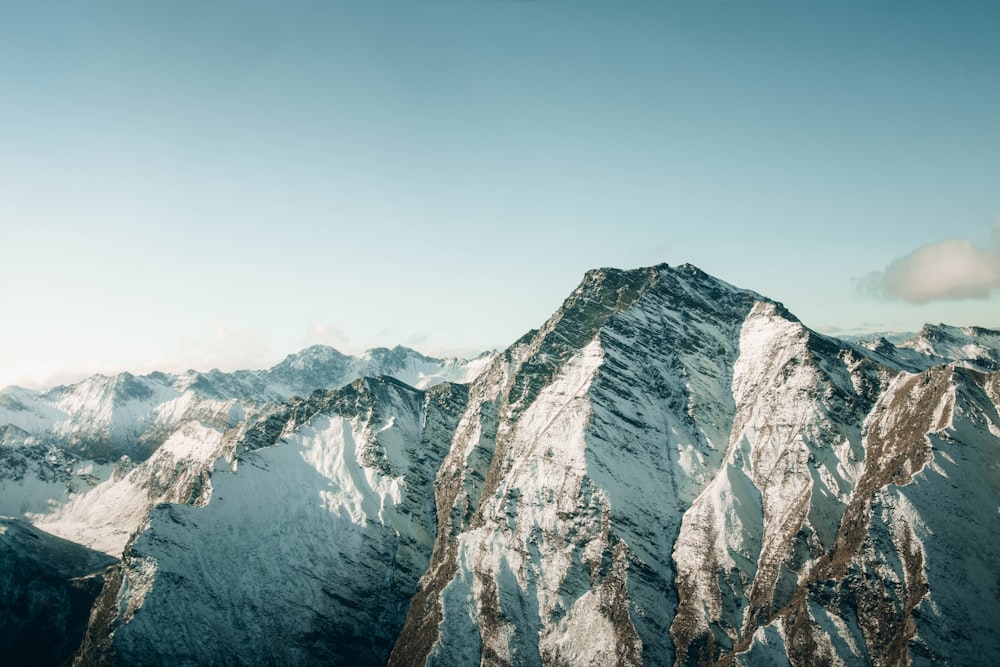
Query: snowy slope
565	555
311	545
973	347
36	478
669	471
104	418
321	367
92	458
674	398
910	578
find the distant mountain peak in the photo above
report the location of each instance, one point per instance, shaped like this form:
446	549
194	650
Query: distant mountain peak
972	346
311	356
397	353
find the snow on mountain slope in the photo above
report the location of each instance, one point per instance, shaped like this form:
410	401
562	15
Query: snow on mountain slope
100	505
101	418
725	411
323	367
310	547
563	553
36	477
910	578
905	358
27	410
669	471
974	347
104	418
106	516
794	455
156	436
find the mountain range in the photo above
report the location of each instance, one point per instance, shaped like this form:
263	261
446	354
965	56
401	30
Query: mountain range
669	471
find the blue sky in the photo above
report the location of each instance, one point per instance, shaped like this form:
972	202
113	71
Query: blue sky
221	183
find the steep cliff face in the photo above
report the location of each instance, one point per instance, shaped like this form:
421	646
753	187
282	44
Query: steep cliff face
669	471
794	455
694	467
909	578
564	553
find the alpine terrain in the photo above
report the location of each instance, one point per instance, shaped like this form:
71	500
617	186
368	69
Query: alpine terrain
669	471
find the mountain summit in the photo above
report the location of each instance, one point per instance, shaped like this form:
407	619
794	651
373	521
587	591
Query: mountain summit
669	471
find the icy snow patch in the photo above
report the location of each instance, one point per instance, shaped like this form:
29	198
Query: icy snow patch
359	494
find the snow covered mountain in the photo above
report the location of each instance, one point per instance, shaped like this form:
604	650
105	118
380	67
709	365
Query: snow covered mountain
974	347
88	461
971	347
308	552
105	418
669	471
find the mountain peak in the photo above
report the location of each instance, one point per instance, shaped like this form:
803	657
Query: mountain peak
670	470
672	296
976	347
395	355
311	356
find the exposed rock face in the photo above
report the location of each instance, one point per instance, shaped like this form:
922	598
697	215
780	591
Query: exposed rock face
670	471
565	554
681	416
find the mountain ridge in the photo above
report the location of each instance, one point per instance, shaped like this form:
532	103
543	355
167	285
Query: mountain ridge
670	470
125	442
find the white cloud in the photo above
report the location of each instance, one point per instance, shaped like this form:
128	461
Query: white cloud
217	347
42	373
320	333
946	271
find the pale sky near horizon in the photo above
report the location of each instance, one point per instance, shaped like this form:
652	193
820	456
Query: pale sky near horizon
218	184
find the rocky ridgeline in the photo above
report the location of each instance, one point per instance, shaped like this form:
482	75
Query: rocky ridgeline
671	470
